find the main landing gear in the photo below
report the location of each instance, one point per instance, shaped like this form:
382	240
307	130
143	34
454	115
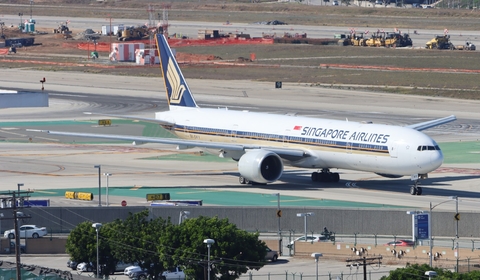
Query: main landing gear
415	189
325	176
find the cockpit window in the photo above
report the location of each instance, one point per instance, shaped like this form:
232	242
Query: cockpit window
428	148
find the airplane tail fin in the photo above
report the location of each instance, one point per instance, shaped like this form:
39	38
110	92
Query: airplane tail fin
178	92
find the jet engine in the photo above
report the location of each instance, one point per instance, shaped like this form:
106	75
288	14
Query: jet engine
260	166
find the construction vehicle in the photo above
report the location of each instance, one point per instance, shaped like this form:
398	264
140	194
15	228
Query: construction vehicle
133	33
440	42
343	39
62	29
397	40
358	40
377	40
468	46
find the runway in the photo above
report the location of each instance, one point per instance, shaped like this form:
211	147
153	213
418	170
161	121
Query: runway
53	165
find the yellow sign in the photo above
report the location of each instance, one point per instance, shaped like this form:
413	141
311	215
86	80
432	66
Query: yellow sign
457	217
279	213
104	122
158	196
79	195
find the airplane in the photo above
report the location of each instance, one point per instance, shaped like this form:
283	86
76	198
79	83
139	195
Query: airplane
263	143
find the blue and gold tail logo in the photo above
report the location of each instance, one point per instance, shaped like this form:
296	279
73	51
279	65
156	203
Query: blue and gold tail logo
174	78
178	93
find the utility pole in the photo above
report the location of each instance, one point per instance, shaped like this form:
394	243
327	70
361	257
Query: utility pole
9	200
363	262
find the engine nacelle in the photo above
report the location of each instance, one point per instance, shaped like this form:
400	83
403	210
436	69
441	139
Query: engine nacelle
260	166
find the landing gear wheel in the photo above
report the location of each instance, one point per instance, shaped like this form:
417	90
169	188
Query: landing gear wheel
416	190
315	176
335	177
419	190
242	180
413	190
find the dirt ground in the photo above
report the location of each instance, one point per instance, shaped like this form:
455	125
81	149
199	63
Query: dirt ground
434	73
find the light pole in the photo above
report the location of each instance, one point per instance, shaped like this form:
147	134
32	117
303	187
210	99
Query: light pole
316	256
279	215
97	227
107	175
430	231
31	5
21	22
305	215
209	243
99	184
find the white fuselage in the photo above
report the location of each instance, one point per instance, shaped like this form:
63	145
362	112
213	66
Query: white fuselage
383	149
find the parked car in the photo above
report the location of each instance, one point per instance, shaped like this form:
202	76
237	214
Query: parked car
335	3
121	266
85	267
30	231
138	275
174	273
131	269
72	264
310	238
401	242
22	247
271	255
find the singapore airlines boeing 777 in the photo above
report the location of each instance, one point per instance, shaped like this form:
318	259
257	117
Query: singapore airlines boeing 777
262	143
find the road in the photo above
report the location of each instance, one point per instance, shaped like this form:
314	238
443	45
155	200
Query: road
190	29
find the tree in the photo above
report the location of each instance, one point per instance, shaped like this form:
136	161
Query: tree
416	271
135	240
234	252
81	245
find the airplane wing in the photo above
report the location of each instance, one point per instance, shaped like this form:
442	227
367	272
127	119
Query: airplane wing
150	120
433	123
288	154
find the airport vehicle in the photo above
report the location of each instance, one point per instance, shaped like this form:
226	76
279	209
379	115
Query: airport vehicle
310	238
271	255
27	231
375	41
262	143
440	42
401	242
468	46
397	40
357	39
132	33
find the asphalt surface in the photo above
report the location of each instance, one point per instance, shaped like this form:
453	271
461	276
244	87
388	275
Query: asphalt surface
48	166
58	166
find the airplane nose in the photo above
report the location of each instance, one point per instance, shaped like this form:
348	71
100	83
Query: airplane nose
436	159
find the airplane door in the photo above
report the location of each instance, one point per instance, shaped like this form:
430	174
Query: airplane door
285	137
349	147
393	150
233	133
